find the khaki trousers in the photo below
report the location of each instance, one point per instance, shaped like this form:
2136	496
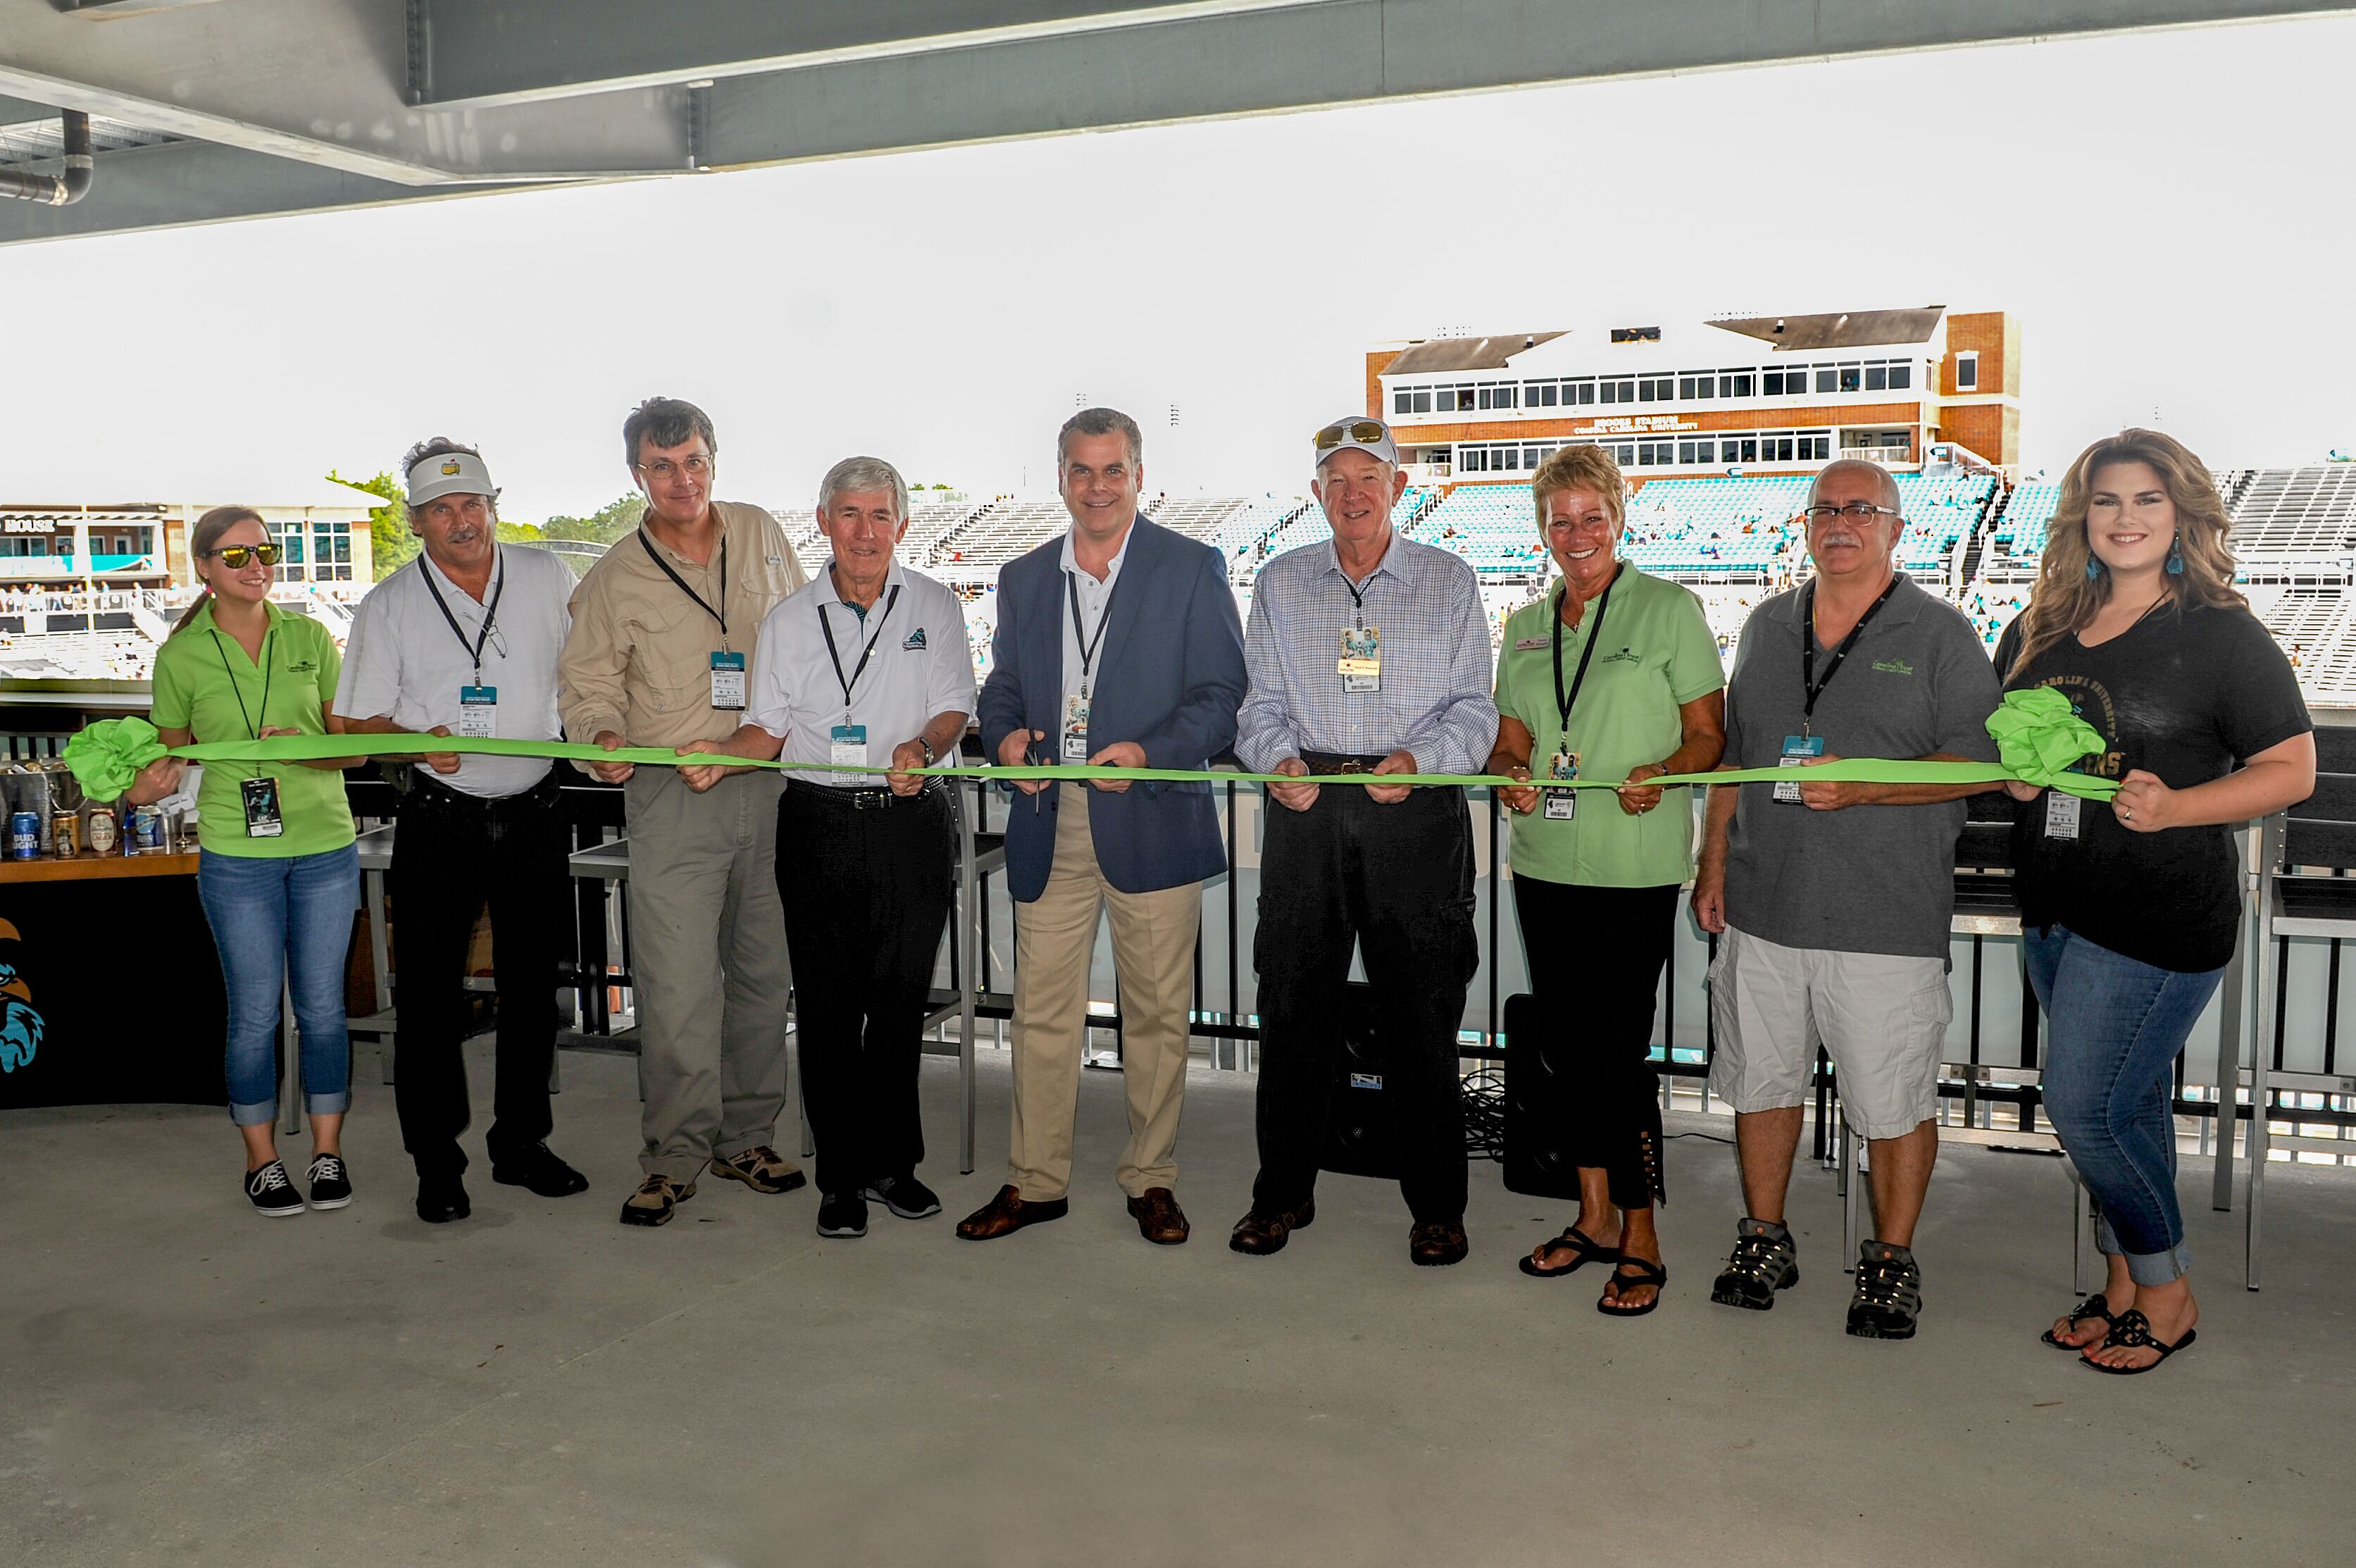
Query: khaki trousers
708	953
1153	955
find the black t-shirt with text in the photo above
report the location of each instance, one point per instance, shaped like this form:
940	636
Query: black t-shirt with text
2188	695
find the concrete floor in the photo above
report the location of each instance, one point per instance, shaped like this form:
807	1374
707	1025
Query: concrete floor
181	1381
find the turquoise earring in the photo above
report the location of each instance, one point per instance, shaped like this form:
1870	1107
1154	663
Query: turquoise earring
2176	554
2094	569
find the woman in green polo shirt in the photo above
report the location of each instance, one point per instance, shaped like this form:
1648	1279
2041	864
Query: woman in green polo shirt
1625	667
278	876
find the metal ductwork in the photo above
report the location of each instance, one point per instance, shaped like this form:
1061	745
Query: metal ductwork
57	189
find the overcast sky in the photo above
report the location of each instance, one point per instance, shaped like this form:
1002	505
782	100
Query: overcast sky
2167	213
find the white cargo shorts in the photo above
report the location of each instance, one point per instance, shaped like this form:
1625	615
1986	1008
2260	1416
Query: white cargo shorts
1882	1019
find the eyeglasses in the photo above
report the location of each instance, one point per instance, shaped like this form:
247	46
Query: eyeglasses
663	470
236	556
1856	511
1349	431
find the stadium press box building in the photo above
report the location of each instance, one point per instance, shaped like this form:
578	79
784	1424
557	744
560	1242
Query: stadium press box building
1764	395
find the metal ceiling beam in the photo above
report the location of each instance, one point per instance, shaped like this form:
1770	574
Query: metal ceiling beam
324	83
183	183
517	52
1348	51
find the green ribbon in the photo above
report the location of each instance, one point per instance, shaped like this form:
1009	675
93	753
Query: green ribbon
2035	734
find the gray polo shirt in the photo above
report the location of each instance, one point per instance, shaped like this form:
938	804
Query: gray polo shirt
1866	879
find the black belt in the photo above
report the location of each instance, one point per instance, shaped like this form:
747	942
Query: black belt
863	800
1341	762
424	785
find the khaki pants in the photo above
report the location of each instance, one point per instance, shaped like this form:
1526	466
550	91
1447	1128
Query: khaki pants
1154	954
708	953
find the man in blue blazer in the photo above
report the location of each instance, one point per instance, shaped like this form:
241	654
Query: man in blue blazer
1118	643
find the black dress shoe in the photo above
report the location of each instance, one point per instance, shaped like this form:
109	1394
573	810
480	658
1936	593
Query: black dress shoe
441	1199
540	1171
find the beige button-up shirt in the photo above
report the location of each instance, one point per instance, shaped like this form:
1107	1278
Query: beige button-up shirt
638	660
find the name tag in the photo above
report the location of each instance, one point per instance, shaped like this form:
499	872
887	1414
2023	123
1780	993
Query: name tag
848	745
1074	746
1530	644
478	711
1799	750
2061	814
1562	805
728	682
262	820
1361	664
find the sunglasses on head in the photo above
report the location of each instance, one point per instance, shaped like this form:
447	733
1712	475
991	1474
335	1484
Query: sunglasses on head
236	556
1349	430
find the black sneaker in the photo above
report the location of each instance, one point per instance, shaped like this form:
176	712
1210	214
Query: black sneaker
905	1195
271	1192
1889	1293
331	1183
842	1214
539	1170
1764	1262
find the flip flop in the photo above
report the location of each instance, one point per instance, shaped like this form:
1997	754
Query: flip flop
1648	1274
2132	1331
1589	1251
2092	1307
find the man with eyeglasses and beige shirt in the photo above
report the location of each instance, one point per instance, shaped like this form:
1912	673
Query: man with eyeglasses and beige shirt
664	629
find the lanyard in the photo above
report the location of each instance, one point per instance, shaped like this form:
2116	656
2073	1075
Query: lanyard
1564	700
720	615
490	613
1358	597
1087	648
1810	686
827	627
253	731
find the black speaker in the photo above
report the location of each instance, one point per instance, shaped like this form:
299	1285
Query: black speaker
1536	1103
1361	1138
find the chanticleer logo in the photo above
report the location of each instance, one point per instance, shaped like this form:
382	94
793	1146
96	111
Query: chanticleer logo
20	1024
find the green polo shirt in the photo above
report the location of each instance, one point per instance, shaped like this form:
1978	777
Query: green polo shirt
1657	654
200	674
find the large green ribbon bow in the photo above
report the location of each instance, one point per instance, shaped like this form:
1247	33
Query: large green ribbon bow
2039	735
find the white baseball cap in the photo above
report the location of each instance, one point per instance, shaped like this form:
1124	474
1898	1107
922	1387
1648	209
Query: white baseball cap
449	473
1361	430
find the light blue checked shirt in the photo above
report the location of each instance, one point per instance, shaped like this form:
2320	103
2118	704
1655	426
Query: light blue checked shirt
1436	699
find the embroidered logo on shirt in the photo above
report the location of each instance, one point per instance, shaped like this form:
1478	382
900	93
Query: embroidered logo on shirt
1626	656
915	640
302	667
1893	666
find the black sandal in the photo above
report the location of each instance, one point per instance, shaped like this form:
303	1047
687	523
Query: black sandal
2092	1307
1589	1251
2132	1331
1647	1273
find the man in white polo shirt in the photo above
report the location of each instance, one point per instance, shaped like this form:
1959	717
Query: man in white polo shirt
867	665
464	640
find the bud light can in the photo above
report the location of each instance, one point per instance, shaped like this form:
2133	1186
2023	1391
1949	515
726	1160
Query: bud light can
24	835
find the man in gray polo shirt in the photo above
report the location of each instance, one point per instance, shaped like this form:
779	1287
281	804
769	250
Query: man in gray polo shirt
1834	900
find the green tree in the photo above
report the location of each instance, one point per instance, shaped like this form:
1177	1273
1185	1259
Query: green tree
390	541
606	524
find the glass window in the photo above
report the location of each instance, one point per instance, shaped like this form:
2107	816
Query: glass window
1424	400
1901	376
1587	392
1850	378
1967	371
1775	384
1686	388
1548	391
1877	378
1705	386
343	549
1402	402
1734	384
1825	374
1611	391
1483	396
1447	400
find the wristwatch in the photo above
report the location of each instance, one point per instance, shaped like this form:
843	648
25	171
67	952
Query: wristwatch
931	755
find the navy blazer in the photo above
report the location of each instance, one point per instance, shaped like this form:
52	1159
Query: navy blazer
1171	679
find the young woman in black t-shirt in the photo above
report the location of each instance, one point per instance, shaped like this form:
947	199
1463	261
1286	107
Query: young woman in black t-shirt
2129	911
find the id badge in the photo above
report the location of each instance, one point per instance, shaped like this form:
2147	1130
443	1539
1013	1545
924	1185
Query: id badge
728	682
262	818
1075	747
1361	664
850	746
2061	814
1562	805
478	711
1799	750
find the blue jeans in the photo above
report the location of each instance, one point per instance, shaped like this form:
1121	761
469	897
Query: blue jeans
2114	1026
277	919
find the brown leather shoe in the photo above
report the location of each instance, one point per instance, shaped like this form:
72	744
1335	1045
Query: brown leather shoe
1007	1213
1159	1218
1434	1245
1263	1231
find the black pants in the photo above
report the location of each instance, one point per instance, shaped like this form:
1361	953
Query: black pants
867	895
1396	880
1595	958
451	853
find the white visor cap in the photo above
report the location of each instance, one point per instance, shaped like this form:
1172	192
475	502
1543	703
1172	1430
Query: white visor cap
449	473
